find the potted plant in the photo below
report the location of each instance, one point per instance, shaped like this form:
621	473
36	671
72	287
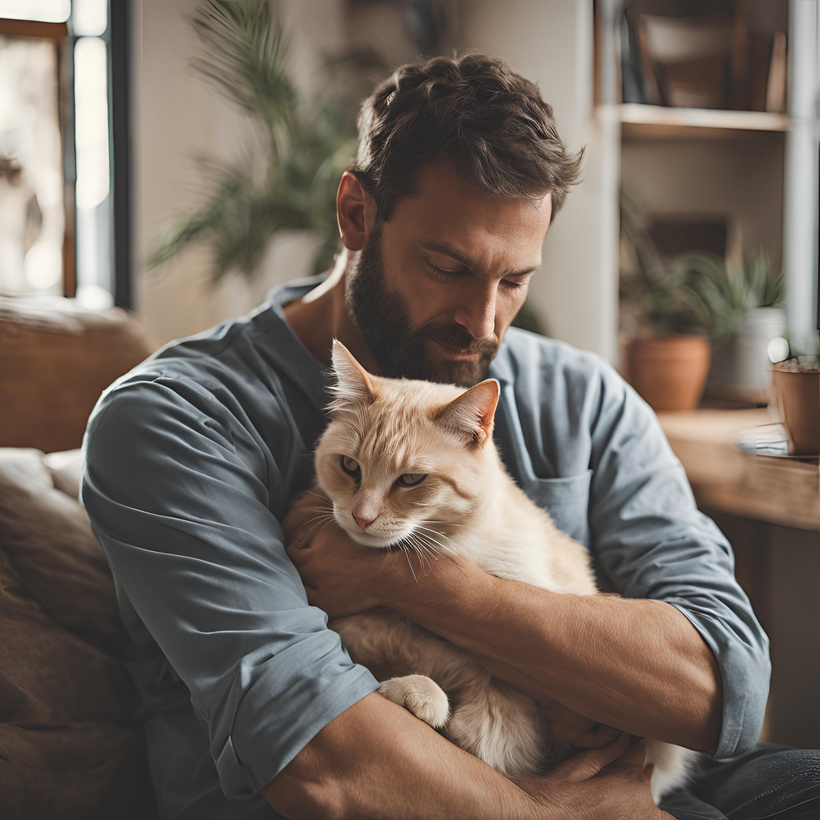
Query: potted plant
295	151
796	388
666	356
739	307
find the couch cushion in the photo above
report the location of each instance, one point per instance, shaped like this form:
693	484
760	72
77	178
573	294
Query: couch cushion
56	357
70	743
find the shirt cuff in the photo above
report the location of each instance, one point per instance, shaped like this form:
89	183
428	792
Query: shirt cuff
287	701
745	671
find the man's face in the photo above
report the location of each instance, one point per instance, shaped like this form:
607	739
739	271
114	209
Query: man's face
436	287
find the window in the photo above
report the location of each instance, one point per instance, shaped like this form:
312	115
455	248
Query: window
58	221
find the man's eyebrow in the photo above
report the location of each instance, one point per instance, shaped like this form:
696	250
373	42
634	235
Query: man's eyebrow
447	249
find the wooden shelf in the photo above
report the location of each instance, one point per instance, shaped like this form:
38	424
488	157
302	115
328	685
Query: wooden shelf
655	121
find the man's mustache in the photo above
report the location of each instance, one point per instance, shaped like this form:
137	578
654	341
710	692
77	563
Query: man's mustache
456	337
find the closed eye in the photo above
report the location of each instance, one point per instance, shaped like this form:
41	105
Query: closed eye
516	283
411	479
444	273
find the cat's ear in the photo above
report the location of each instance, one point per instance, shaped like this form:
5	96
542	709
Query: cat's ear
470	416
353	383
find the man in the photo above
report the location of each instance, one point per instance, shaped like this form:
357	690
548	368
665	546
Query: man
193	457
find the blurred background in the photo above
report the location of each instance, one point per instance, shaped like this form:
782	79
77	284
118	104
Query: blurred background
178	158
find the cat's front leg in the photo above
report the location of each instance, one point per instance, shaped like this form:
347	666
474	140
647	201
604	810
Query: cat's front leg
421	696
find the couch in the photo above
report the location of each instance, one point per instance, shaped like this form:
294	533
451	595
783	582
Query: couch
70	738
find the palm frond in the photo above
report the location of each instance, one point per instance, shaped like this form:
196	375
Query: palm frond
292	156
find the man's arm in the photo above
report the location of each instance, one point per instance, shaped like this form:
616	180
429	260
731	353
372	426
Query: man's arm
378	762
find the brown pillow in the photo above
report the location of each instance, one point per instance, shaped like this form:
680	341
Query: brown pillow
70	745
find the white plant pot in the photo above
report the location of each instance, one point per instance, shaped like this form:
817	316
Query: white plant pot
741	369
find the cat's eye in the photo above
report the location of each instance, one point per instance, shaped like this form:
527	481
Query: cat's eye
350	466
411	479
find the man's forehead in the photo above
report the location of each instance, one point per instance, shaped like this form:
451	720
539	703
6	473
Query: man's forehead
448	212
443	197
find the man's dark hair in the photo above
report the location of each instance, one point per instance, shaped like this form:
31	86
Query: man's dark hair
473	110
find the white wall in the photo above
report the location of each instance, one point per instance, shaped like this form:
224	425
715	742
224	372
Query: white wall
176	118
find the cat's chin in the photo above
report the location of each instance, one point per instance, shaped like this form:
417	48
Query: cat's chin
372	541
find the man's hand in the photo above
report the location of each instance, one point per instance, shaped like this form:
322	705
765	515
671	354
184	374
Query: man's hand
569	729
341	577
610	783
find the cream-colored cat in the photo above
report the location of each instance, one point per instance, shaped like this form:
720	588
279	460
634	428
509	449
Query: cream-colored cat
411	464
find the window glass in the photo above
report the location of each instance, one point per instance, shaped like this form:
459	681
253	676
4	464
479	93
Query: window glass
93	174
32	216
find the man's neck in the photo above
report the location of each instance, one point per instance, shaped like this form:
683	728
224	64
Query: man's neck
321	316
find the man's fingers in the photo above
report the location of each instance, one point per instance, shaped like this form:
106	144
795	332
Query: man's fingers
636	755
589	763
602	736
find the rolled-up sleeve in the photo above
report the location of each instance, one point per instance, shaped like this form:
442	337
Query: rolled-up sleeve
652	542
182	502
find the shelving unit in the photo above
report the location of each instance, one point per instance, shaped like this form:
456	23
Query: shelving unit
655	121
690	162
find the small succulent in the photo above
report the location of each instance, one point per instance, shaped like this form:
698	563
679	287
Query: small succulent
722	295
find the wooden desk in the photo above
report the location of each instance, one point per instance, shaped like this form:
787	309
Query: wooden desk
769	508
780	491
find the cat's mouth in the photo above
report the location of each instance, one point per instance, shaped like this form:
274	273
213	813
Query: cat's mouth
367	539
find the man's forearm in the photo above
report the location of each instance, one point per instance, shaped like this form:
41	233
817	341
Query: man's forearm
378	761
637	665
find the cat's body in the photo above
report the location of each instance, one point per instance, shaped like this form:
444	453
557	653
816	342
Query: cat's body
412	464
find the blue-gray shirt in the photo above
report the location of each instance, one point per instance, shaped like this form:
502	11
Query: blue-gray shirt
190	461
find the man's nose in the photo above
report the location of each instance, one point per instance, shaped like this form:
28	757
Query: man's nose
476	313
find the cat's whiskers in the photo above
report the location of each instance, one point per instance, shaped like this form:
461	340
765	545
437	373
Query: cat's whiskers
315	524
449	546
425	550
422	551
406	552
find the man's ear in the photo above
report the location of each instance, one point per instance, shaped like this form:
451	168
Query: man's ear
355	212
470	416
354	387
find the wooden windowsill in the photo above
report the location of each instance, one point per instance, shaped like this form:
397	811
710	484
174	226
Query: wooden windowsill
781	491
33	28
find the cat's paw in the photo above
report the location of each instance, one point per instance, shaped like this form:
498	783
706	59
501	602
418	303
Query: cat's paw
421	696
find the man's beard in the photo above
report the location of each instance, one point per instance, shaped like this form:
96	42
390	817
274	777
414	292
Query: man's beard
383	319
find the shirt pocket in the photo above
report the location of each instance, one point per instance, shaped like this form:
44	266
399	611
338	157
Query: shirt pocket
566	500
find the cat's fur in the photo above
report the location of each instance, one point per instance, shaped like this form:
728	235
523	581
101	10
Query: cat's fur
467	505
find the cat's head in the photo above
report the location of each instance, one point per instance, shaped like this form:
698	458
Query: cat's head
403	460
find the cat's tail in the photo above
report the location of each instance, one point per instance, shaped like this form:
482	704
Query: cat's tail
673	766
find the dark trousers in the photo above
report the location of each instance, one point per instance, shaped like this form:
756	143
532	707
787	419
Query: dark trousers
767	782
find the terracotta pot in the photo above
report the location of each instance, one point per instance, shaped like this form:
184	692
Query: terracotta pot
797	391
668	371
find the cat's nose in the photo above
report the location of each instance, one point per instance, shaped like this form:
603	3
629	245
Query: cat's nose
362	521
